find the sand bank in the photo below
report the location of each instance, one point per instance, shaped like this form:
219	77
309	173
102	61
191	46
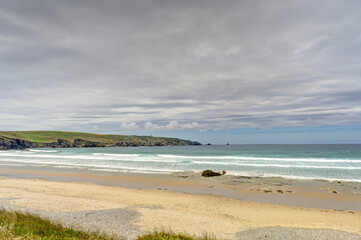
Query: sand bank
291	192
192	213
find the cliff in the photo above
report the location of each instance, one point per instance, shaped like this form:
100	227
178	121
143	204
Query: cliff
57	139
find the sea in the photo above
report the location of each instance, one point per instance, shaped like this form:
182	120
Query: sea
327	162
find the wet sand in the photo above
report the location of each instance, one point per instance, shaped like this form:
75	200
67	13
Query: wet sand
300	193
223	206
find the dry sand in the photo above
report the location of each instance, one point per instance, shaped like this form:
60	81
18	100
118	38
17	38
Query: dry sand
192	213
300	193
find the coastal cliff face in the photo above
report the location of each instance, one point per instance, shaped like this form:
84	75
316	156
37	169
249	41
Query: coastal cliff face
16	144
7	142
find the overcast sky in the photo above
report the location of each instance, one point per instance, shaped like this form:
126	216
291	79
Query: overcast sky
179	67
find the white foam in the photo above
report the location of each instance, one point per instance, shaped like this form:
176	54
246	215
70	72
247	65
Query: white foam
312	178
62	166
169	157
12	164
96	165
262	158
107	170
116	155
46	151
168	163
277	165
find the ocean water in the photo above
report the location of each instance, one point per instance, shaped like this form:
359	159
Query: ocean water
329	162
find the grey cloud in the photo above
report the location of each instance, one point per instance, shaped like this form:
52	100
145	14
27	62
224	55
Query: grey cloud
221	64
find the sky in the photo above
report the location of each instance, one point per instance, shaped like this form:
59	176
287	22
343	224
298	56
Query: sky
255	71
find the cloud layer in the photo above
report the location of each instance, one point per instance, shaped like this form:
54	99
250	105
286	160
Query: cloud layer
115	66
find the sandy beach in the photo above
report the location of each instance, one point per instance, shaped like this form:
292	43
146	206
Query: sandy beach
113	112
131	205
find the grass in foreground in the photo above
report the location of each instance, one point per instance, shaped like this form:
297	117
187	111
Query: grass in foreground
19	226
169	235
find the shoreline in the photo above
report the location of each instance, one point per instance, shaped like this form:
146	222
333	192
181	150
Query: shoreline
290	192
296	163
132	211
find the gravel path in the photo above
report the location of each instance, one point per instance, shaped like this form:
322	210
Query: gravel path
278	233
115	222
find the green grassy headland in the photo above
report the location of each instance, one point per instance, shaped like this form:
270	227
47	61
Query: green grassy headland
39	139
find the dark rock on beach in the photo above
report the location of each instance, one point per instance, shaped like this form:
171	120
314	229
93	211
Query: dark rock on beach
210	173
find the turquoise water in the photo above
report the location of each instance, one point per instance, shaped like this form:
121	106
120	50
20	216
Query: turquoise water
330	162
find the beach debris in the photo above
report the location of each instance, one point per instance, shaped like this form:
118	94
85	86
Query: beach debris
339	183
183	176
267	191
334	192
279	191
245	177
210	173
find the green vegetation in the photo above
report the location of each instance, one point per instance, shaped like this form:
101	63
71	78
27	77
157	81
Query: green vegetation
27	227
36	139
169	235
20	226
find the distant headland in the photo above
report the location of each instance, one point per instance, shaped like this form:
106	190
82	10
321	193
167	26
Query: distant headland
59	139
